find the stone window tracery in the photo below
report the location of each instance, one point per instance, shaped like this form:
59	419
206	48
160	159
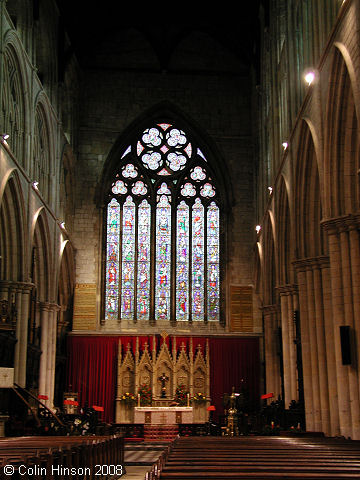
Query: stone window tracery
162	232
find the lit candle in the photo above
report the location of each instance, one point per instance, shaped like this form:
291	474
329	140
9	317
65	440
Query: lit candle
188	400
272	424
138	399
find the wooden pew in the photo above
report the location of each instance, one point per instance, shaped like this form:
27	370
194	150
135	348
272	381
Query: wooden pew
259	458
85	455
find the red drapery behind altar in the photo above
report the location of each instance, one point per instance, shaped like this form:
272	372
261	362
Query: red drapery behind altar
92	364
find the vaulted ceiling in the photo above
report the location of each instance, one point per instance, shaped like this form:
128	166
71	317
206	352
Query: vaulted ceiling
96	29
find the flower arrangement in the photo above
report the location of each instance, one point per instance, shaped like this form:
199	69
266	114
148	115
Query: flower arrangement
128	398
199	397
181	395
145	395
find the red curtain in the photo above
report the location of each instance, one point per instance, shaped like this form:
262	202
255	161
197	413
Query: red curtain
92	364
234	362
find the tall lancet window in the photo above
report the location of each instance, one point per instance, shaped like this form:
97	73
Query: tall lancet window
162	232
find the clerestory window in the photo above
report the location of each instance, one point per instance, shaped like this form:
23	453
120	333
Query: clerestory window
162	232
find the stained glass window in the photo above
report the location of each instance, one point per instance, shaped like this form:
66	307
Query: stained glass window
182	262
213	267
143	283
162	232
128	259
198	261
112	263
163	259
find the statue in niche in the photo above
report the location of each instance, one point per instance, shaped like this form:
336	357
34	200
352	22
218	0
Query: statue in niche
127	379
163	379
199	382
145	378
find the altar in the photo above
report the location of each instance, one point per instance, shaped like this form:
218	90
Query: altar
163	415
167	384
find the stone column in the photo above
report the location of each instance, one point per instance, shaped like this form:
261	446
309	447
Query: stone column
316	300
23	304
346	262
52	333
287	293
285	347
354	238
339	268
313	349
305	344
321	346
330	348
48	319
272	361
292	301
44	325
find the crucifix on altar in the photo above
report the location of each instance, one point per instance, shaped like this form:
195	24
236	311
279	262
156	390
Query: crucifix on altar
163	379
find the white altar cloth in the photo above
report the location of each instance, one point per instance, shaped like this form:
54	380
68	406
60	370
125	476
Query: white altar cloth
163	415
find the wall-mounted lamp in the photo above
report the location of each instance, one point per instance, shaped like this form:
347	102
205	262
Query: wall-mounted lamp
4	136
35	185
309	77
285	145
62	225
270	190
258	228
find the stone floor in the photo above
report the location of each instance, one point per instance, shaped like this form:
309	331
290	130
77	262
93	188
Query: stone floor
140	457
135	473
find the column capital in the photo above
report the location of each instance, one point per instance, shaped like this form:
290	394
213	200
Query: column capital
48	306
44	306
269	309
344	223
288	289
54	307
311	263
17	286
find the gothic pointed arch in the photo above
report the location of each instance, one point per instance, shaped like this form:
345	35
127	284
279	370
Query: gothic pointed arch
258	269
342	140
269	270
308	202
163	197
42	150
41	261
12	224
167	111
13	100
67	186
66	285
283	221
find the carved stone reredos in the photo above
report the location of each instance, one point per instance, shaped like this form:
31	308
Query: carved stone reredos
199	361
190	369
126	380
145	369
164	356
128	359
